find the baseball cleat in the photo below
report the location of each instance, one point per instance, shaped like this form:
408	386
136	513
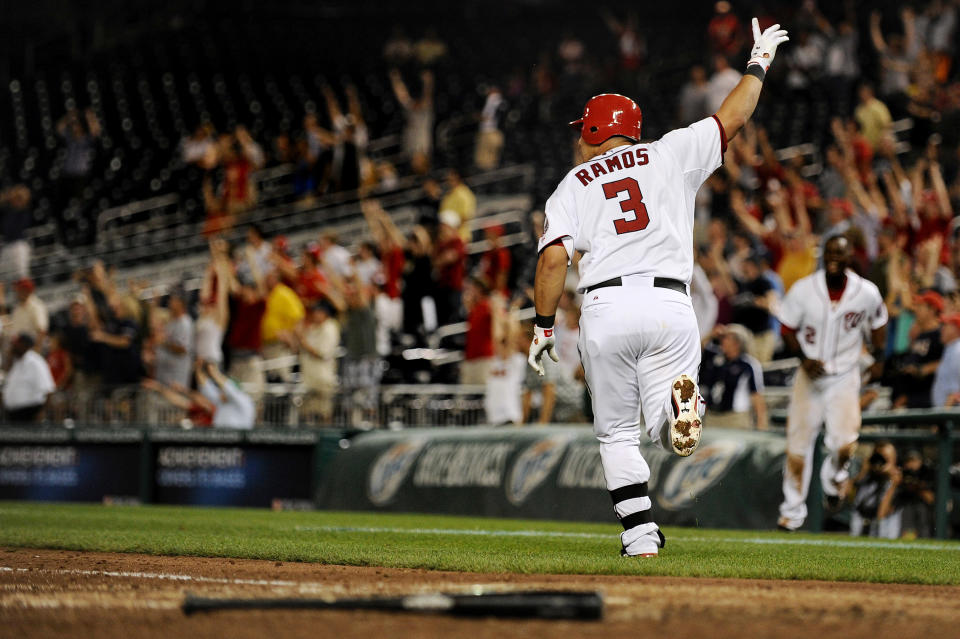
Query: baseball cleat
685	425
649	546
785	525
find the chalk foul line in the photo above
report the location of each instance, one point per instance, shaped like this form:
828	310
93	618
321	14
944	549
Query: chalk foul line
785	541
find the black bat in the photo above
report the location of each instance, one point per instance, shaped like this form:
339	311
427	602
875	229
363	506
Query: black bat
530	604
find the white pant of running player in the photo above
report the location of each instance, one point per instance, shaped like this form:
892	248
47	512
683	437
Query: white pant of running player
635	340
833	400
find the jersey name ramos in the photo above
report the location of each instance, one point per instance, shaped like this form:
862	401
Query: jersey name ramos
630	210
833	332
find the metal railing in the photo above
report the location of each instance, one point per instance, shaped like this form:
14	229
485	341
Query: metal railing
289	405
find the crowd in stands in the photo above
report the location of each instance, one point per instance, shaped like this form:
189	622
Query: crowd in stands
333	313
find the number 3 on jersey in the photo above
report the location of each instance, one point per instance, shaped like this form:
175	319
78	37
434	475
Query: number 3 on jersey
632	204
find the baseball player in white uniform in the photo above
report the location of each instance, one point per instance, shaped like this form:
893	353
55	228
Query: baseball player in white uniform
826	318
628	208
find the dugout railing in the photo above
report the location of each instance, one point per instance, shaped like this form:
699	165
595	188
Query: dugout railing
935	427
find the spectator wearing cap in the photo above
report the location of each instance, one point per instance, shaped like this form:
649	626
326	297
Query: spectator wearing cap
281	261
946	382
914	375
30	314
318	338
752	307
732	381
174	353
15	219
449	262
461	200
28	382
495	262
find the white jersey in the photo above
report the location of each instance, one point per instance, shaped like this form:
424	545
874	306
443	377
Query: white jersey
503	399
630	210
833	332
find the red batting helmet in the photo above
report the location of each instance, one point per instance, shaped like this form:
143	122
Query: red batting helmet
607	115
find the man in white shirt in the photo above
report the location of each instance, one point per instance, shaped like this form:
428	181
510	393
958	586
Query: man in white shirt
27	384
30	315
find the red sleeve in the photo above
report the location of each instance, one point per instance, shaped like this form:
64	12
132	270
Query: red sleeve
723	137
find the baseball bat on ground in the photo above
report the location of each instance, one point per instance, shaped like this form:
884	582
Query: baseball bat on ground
531	604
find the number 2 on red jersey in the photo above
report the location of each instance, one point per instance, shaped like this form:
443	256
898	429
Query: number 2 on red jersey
632	204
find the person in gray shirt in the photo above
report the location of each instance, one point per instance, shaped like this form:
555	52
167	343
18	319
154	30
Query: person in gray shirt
175	351
946	382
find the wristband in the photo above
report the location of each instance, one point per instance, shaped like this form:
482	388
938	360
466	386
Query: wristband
756	71
544	321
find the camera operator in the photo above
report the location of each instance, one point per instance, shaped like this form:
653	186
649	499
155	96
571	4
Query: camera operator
915	497
874	509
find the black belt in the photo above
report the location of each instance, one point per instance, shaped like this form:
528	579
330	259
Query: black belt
659	282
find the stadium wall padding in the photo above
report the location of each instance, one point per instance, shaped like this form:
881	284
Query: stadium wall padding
733	480
127	465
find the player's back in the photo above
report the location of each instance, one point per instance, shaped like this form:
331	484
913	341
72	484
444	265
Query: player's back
630	210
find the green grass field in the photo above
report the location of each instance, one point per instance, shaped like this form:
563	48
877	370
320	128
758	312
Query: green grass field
469	544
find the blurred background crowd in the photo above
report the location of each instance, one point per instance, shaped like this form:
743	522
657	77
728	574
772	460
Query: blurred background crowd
328	215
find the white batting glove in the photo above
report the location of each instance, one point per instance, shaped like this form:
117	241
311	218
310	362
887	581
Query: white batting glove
543	340
765	44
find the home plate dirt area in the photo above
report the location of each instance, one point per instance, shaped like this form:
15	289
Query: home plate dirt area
49	593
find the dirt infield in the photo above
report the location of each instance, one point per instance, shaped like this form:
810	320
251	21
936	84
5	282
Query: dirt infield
47	593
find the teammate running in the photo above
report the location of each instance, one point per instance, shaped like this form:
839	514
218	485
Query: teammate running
826	317
628	207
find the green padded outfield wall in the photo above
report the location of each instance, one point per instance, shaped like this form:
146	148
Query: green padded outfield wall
732	481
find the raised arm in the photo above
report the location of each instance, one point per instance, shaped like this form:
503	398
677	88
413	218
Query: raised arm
940	189
875	34
741	102
333	107
739	207
353	104
909	30
400	89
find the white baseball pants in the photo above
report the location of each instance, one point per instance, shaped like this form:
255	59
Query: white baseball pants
635	339
832	400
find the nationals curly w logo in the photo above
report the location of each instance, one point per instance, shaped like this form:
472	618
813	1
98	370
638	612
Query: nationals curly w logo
852	320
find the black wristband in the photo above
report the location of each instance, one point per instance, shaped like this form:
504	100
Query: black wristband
756	71
544	321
